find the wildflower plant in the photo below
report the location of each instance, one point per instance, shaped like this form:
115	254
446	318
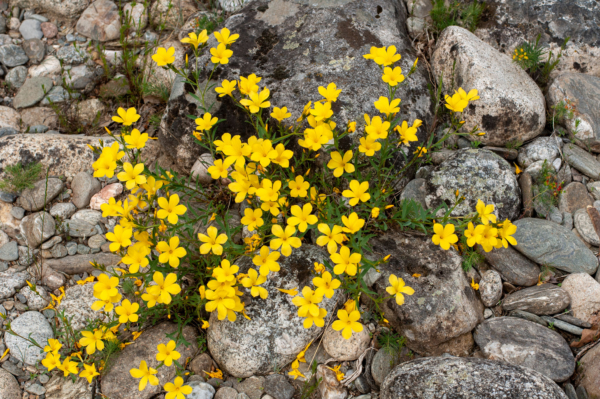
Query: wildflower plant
176	236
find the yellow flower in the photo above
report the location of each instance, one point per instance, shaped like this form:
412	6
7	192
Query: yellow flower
377	129
252	281
212	241
347	323
147	375
314	138
257	100
206	122
165	287
353	223
170	209
474	285
205	324
220	54
219	170
302	217
92	341
358	192
330	93
196	40
167	353
375	212
505	232
386	107
164	57
392	76
326	285
420	151
351	127
53	346
397	287
345	262
318	320
296	373
266	261
132	175
341	164
298	187
331	237
89	373
319	267
226	272
408	134
136	139
120	238
127	311
285	239
225	37
249	85
170	252
486	212
322	111
107	303
226	88
444	235
127	118
456	103
338	374
489	238
470	96
474	234
252	218
369	145
350	306
517	169
280	113
307	303
292	292
68	367
269	190
51	361
282	158
387	56
374	52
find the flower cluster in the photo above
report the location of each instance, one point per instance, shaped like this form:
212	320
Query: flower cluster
183	265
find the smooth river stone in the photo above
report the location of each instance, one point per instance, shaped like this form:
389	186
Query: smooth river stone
550	244
545	299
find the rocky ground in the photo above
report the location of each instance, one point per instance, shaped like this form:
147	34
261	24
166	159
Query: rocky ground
530	328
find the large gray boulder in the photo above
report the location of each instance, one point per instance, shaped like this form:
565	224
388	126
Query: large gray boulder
296	47
477	175
273	335
548	243
63	8
444	309
37	228
524	343
43	191
118	382
585	91
31	325
512	266
511	106
453	377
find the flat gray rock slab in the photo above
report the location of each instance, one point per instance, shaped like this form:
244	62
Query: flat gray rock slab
32	91
548	243
582	160
523	343
545	299
512	265
467	378
78	264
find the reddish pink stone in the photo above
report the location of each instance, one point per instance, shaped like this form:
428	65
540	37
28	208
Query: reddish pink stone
108	192
49	30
